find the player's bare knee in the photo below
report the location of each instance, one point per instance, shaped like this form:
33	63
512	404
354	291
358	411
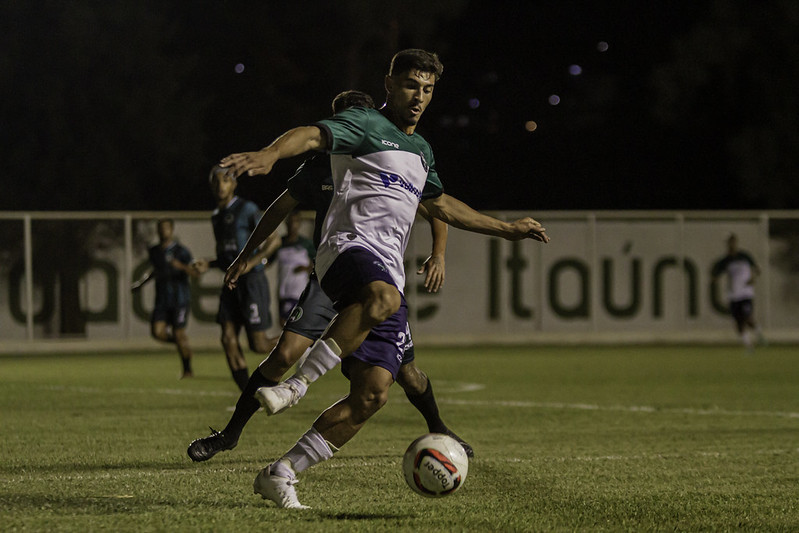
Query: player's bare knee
158	332
367	404
259	345
287	354
280	360
229	342
383	302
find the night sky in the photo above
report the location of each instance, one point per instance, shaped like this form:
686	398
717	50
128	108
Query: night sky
543	105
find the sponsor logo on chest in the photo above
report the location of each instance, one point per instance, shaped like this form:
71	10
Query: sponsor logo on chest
389	179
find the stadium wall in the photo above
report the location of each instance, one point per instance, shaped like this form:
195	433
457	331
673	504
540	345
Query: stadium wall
606	277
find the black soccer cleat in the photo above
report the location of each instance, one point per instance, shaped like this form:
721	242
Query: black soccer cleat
466	446
205	448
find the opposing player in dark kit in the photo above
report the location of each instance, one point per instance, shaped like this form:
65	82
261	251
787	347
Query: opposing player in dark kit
247	305
171	268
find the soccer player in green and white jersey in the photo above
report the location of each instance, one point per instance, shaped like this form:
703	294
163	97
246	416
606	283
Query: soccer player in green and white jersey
294	261
382	170
741	271
312	185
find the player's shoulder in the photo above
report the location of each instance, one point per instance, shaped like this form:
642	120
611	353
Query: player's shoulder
422	143
722	262
359	111
312	170
419	138
247	206
351	114
318	162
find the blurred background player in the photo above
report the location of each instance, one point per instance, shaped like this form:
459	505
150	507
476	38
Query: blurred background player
312	185
247	305
171	268
294	261
741	271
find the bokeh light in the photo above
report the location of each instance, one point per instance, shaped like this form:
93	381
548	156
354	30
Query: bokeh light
530	125
602	46
553	99
575	70
239	68
474	103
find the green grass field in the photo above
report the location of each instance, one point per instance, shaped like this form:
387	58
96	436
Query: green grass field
590	439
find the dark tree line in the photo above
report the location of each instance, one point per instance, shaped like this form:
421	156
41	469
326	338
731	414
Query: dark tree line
125	105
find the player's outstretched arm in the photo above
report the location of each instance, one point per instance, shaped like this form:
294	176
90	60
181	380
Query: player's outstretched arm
138	284
433	267
458	214
262	233
294	142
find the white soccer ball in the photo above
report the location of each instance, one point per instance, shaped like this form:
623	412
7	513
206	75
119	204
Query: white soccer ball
435	465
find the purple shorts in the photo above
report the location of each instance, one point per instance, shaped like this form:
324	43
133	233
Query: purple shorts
352	270
385	344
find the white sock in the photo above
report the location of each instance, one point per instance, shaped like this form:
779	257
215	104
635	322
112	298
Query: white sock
311	449
747	339
324	355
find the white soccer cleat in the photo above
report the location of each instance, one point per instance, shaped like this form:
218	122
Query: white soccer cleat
278	489
277	399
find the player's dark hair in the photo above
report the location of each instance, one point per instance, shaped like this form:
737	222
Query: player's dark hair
416	59
169	221
347	99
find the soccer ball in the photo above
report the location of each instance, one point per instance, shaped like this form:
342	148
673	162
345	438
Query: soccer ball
435	465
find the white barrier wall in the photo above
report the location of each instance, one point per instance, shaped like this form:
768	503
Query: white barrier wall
618	275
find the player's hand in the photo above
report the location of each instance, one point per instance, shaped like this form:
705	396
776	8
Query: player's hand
252	163
527	228
200	266
433	267
234	271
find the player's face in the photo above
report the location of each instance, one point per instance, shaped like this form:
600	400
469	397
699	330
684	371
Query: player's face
165	231
223	186
293	224
408	95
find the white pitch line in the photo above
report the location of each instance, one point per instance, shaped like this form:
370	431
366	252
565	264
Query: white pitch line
622	408
471	387
172	392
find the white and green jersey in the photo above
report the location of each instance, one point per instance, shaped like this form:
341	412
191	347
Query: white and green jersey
738	267
380	174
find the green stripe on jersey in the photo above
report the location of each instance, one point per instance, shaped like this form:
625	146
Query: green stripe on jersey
361	132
